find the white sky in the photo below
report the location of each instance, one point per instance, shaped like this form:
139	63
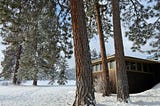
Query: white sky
94	44
110	49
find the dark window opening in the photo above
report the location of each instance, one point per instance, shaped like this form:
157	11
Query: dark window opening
145	67
133	66
139	67
97	67
128	65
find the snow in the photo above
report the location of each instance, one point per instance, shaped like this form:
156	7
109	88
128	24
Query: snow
55	95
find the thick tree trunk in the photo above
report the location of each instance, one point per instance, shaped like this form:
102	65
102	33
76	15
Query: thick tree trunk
122	81
15	80
84	81
105	72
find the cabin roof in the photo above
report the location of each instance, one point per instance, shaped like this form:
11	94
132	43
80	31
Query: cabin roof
112	57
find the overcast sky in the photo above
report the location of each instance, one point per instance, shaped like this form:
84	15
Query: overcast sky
94	44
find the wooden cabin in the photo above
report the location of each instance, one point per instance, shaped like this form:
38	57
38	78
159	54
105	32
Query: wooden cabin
142	74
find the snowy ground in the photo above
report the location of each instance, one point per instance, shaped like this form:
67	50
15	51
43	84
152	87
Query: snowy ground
54	95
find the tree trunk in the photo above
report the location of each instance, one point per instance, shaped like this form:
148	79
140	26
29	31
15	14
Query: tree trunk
105	72
35	82
84	80
15	80
121	75
35	78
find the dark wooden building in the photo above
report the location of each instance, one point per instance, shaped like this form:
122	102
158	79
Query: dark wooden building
142	74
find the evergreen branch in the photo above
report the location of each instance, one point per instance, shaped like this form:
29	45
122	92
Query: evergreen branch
61	5
139	3
157	20
134	7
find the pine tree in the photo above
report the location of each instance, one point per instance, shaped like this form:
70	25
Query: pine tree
105	71
37	41
43	38
143	23
104	12
8	63
62	79
18	55
84	81
11	36
121	75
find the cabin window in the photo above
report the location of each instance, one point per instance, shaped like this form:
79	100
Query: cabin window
139	67
112	64
128	65
133	66
94	68
99	67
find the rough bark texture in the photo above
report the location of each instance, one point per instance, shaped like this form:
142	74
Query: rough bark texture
84	81
105	72
15	80
122	81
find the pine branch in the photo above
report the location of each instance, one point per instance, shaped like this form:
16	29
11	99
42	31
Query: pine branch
134	7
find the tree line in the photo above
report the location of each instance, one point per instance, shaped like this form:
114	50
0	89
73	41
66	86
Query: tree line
38	38
36	43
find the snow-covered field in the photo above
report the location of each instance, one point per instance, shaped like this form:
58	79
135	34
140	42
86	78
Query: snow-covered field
54	95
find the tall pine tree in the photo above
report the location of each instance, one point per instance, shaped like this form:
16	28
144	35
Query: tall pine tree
84	81
121	75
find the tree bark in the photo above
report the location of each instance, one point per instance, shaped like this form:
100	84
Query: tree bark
84	80
121	75
105	72
35	77
35	82
15	80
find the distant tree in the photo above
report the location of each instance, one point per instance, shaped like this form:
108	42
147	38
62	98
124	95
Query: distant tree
43	37
8	63
84	81
11	63
70	74
94	54
121	75
62	78
18	55
11	35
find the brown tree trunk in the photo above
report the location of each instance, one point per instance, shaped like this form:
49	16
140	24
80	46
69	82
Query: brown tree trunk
105	72
35	78
122	81
84	81
15	80
35	82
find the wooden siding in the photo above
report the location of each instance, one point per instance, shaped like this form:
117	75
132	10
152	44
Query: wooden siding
143	76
